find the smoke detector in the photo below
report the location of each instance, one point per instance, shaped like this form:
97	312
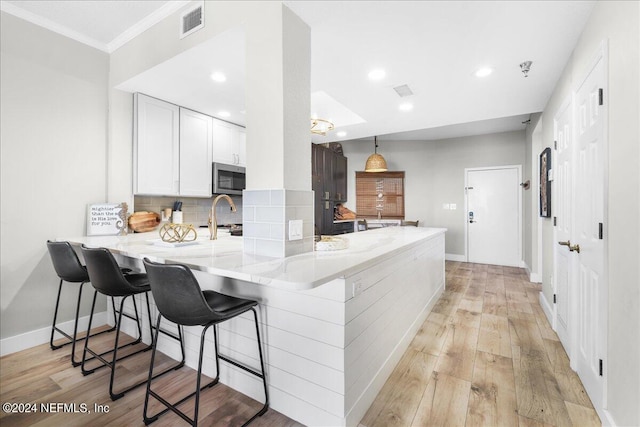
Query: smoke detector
525	67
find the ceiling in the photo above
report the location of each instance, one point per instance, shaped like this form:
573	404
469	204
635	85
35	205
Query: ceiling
434	47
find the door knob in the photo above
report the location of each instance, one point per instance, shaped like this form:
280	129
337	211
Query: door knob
572	248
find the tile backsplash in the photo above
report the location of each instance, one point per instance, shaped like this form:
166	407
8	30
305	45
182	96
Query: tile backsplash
194	210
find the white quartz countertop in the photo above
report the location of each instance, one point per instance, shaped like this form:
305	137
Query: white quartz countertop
224	256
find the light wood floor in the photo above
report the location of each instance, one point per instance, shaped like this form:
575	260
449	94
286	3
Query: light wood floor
485	356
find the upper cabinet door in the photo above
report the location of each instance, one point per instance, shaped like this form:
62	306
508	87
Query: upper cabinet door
156	146
223	144
242	146
229	143
196	137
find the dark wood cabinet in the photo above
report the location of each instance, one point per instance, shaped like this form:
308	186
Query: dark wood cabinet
329	182
340	178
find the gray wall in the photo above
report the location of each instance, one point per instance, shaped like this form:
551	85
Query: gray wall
618	24
434	174
53	113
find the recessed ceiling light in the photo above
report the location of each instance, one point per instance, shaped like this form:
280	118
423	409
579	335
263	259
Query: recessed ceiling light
377	74
218	77
341	134
224	114
484	72
407	106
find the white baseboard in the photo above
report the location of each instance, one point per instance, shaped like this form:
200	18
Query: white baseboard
533	277
42	336
606	417
548	311
455	257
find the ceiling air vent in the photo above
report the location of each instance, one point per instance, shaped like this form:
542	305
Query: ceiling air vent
403	91
192	20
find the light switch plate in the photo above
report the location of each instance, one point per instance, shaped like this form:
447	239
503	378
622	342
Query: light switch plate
295	229
453	206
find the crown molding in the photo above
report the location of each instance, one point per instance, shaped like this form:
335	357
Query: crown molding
128	35
51	26
146	23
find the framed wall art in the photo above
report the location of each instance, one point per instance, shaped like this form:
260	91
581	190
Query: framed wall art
545	183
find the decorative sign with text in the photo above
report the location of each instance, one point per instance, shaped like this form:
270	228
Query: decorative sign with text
107	219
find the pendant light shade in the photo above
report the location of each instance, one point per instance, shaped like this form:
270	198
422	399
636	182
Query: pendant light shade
375	162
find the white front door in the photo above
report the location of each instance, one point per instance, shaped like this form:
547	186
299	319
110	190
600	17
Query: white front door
590	233
494	215
565	262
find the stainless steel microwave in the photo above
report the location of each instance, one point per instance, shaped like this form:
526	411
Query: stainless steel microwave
228	179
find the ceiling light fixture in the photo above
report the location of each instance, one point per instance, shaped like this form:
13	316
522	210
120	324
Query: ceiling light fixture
224	114
375	162
525	67
218	77
484	72
407	106
341	134
321	126
377	74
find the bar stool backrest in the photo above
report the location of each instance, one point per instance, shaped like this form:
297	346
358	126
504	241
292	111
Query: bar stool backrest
177	294
105	273
66	263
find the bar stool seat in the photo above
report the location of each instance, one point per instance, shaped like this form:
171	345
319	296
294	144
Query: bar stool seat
69	269
107	278
180	299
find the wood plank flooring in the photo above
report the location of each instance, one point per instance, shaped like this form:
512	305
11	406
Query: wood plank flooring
485	356
493	361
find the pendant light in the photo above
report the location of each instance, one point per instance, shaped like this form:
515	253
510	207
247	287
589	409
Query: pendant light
375	162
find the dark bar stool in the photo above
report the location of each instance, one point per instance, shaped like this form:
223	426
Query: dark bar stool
69	269
107	278
180	300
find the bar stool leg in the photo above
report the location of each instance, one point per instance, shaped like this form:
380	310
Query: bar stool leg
264	375
148	420
95	355
115	349
72	339
75	363
169	406
55	317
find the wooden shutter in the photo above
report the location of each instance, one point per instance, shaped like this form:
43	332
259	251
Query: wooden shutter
380	192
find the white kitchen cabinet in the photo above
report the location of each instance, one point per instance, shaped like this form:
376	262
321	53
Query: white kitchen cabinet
155	146
229	143
196	138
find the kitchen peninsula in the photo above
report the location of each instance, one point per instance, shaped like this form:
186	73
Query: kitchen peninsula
334	323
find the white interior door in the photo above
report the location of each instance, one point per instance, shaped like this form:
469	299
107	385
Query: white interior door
494	216
565	262
589	231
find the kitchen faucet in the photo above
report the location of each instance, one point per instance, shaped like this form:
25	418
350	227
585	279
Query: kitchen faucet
213	222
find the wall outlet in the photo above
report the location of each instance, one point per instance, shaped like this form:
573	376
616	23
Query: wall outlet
445	206
295	229
452	206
